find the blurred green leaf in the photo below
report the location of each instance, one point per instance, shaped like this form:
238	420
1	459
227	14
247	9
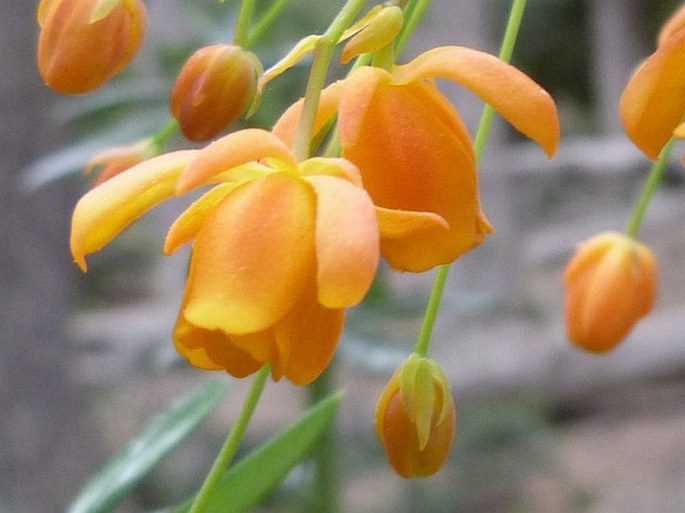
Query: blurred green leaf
248	482
116	479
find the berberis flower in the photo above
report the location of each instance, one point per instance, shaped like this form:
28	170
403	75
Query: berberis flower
84	43
280	248
412	147
653	103
611	284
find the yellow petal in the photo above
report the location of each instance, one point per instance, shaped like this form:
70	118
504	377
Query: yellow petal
108	209
303	48
521	101
252	256
400	224
186	226
414	154
339	168
307	338
653	103
379	31
347	247
232	151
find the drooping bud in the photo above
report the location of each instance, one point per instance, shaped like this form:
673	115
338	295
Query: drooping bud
380	30
214	88
115	160
416	418
611	283
84	43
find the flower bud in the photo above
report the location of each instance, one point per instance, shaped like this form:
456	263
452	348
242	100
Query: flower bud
380	30
611	284
214	88
115	160
416	418
84	43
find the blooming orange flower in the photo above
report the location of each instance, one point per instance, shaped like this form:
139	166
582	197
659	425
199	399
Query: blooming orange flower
611	284
416	418
280	248
412	148
653	103
84	43
213	89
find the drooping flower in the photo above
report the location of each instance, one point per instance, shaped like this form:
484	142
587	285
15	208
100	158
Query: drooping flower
416	418
115	160
653	103
213	89
412	148
611	283
280	248
84	43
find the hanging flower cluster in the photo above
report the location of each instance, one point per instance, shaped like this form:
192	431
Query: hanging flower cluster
283	243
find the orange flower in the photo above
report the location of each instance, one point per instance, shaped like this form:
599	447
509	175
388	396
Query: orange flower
611	284
213	89
280	248
113	161
653	102
412	148
416	418
84	43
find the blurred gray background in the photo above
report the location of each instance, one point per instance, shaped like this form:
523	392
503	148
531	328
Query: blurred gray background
86	361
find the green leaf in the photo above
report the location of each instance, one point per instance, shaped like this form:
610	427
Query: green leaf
248	482
118	477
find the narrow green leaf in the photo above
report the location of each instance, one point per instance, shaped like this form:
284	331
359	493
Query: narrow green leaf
123	472
248	482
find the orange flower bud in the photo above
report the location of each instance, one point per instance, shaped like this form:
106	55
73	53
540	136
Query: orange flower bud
113	161
213	89
611	284
416	418
84	43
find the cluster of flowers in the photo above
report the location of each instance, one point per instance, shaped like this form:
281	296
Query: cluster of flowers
283	243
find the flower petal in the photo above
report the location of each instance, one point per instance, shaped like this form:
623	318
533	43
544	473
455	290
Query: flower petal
340	168
232	151
347	246
521	101
252	256
674	24
401	224
186	226
653	103
108	209
414	153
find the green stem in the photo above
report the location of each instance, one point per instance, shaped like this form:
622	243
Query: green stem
650	187
325	453
415	10
266	21
242	26
161	137
317	75
232	442
506	51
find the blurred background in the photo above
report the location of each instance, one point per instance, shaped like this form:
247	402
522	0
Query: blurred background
86	361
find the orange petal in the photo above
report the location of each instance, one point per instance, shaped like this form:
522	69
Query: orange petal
286	127
674	24
252	256
108	209
187	225
307	338
232	151
400	224
347	249
340	168
521	101
414	153
653	103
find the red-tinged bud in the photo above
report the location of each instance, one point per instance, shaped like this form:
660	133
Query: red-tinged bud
611	283
84	43
214	88
416	418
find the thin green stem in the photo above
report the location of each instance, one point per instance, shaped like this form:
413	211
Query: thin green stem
415	10
161	137
266	21
317	75
435	299
232	442
242	26
648	190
